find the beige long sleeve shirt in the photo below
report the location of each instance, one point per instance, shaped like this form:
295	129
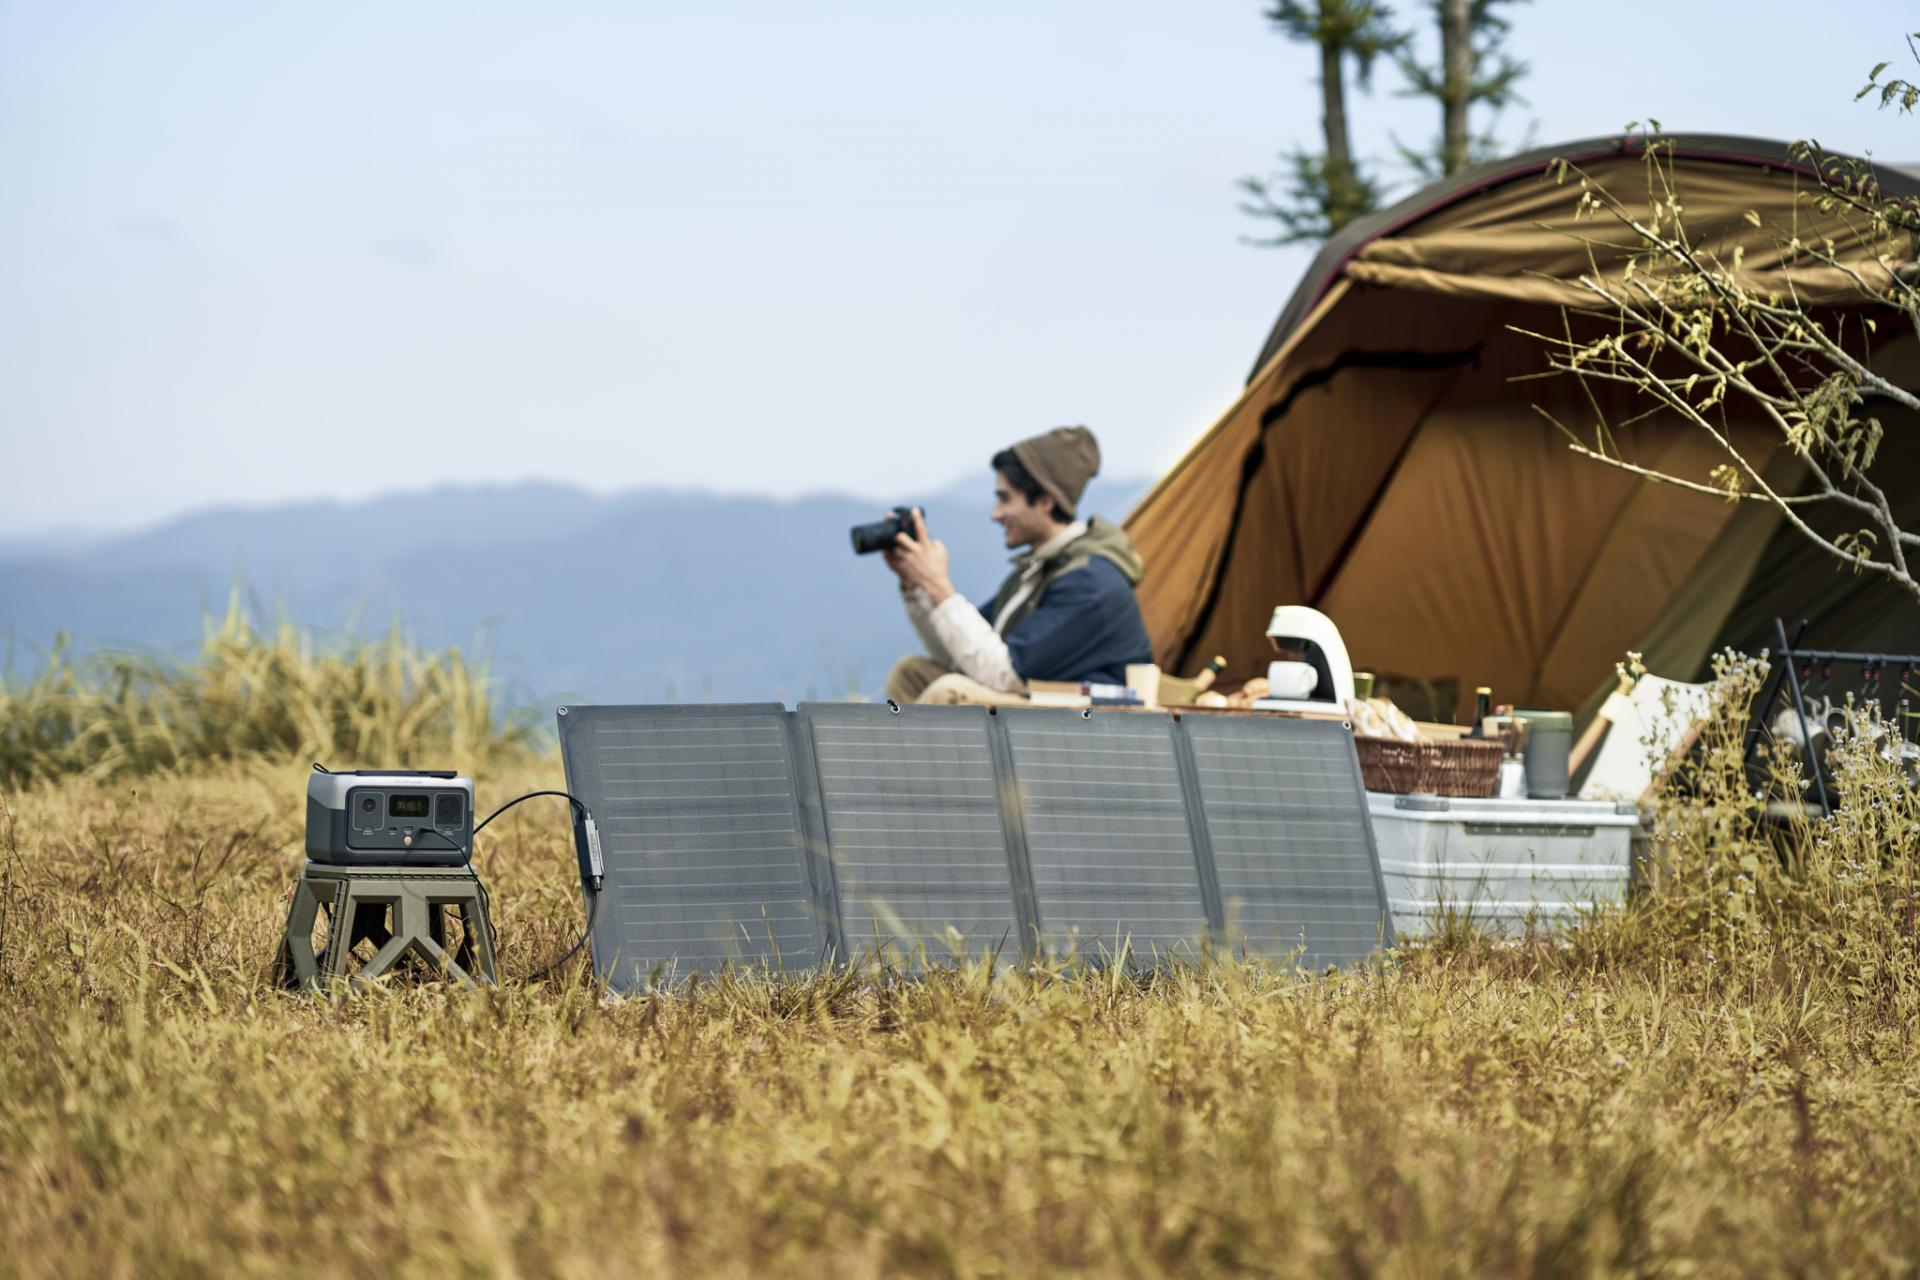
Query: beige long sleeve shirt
958	636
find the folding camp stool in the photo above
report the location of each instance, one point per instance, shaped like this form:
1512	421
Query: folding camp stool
399	910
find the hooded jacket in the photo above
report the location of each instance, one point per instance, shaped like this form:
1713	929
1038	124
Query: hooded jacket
1080	622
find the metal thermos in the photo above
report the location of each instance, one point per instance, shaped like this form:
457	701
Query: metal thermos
1549	744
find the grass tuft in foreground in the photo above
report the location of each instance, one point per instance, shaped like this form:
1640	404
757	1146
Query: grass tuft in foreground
253	694
1720	1080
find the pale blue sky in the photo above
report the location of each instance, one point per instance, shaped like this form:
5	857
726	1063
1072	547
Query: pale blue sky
253	252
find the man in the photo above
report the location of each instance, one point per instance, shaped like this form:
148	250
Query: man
1066	612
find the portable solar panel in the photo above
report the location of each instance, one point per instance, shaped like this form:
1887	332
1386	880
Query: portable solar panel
1285	816
1107	833
706	858
749	834
912	806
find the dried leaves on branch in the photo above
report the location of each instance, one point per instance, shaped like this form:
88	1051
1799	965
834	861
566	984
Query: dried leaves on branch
1893	91
1688	324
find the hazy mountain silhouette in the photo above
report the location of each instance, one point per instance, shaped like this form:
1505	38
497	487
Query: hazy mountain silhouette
634	597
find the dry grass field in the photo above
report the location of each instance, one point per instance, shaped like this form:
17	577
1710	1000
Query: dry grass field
1721	1081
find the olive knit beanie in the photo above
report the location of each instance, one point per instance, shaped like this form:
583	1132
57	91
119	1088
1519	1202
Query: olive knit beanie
1062	461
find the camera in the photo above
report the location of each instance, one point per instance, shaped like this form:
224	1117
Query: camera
878	536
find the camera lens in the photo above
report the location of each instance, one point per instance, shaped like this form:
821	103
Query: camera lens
880	535
368	804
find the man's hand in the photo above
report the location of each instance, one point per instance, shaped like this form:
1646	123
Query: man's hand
920	561
895	560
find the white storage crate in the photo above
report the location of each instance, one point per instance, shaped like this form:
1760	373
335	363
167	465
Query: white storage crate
1499	863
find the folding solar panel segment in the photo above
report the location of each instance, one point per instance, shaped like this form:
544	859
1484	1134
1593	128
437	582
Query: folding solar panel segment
1107	833
701	829
912	805
1286	817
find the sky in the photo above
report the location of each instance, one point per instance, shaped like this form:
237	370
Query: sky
252	253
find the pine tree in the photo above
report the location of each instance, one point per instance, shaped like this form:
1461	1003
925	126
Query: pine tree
1316	194
1472	72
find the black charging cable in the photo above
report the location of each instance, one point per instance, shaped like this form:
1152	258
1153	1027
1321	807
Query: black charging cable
547	970
595	870
593	902
579	806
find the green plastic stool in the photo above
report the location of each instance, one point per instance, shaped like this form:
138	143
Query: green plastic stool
402	911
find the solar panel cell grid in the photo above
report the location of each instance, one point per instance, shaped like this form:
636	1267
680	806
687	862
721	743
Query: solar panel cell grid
1107	833
1297	871
914	828
952	830
700	828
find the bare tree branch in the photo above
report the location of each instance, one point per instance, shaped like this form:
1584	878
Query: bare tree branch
1686	327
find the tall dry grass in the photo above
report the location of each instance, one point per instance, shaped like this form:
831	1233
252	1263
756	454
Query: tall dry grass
253	693
1721	1080
1760	891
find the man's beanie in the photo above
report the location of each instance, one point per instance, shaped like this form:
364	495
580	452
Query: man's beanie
1062	460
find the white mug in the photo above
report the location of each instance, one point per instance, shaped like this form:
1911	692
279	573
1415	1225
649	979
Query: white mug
1291	680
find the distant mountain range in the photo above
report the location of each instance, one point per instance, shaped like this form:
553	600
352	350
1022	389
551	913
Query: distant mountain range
643	596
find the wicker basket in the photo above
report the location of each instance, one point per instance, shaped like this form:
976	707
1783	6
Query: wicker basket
1457	767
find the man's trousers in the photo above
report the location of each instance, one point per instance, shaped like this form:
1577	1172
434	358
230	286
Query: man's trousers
920	679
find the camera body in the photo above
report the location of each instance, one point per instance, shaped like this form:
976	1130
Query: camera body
878	536
390	818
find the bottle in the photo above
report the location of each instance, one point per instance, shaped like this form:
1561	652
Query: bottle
1482	704
1204	681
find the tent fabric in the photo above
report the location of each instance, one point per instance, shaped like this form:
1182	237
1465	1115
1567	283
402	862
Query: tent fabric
1529	242
1392	463
1695	151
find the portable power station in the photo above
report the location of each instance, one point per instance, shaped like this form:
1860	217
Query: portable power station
390	818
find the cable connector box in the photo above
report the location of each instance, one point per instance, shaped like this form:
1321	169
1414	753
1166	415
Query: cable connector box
596	861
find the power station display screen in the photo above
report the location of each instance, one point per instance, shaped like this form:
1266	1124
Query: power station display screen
407	806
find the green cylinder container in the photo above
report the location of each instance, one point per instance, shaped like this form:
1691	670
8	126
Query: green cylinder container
1549	744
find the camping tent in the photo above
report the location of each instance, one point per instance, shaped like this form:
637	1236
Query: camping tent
1384	465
